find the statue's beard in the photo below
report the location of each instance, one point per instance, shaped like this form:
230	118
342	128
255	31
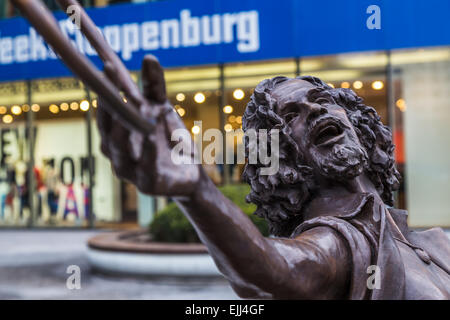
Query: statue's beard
344	162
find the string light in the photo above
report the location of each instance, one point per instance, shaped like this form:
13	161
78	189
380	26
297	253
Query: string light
377	85
357	84
84	105
239	119
53	108
228	109
25	108
330	84
74	106
232	118
64	106
3	109
228	127
238	94
16	110
180	97
35	107
345	84
7	118
199	97
181	112
195	129
94	103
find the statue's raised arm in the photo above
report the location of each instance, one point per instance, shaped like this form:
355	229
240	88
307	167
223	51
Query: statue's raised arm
328	204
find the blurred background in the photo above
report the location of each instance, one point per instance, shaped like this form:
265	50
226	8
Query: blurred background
54	177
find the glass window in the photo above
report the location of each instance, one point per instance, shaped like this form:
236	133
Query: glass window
422	132
15	155
195	94
60	197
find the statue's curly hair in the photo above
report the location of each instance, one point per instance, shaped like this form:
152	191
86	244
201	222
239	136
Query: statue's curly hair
281	197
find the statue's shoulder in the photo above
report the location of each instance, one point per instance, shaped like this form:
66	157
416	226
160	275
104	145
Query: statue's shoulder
400	217
435	242
336	225
360	249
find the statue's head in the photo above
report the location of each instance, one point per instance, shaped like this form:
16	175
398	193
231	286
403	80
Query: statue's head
326	134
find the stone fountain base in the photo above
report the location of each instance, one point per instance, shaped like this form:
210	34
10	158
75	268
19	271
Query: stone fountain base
132	253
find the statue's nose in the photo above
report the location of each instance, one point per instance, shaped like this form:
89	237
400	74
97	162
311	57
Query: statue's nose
316	111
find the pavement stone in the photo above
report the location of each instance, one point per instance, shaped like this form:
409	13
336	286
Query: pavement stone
33	265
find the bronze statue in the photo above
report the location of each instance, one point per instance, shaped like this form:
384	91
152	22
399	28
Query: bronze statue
328	205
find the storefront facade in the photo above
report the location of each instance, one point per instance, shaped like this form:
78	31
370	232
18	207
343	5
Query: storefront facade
215	53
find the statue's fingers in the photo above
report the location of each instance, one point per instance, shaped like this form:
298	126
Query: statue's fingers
121	152
146	169
153	82
114	142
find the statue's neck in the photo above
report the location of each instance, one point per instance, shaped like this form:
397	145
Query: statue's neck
340	198
332	188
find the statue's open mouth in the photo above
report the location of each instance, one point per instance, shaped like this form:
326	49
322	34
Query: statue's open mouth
327	132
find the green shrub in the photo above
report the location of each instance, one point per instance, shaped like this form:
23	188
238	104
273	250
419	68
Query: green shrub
170	225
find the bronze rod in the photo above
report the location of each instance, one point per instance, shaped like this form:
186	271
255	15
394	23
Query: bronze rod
98	42
45	23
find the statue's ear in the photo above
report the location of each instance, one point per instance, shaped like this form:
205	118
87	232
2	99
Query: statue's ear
153	82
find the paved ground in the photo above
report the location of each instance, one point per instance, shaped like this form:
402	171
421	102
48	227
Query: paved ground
33	266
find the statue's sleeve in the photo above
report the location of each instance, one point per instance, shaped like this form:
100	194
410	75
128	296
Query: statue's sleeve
357	245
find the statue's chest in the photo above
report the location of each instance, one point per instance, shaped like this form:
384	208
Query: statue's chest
423	281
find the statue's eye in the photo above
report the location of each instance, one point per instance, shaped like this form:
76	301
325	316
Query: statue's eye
290	116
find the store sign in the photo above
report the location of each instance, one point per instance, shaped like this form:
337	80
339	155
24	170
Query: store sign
127	39
198	32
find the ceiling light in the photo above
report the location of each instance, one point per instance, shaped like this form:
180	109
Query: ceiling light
377	85
7	118
180	97
238	94
228	109
357	84
84	105
195	129
16	110
199	97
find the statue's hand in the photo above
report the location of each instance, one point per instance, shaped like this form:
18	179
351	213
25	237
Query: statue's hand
147	161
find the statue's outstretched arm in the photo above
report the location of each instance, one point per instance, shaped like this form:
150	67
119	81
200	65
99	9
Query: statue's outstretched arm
256	266
136	137
315	265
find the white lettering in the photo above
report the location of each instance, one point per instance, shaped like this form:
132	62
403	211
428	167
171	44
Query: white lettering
190	29
168	28
150	32
130	36
21	47
127	39
6	47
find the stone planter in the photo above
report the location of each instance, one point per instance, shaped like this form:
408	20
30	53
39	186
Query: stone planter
131	253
